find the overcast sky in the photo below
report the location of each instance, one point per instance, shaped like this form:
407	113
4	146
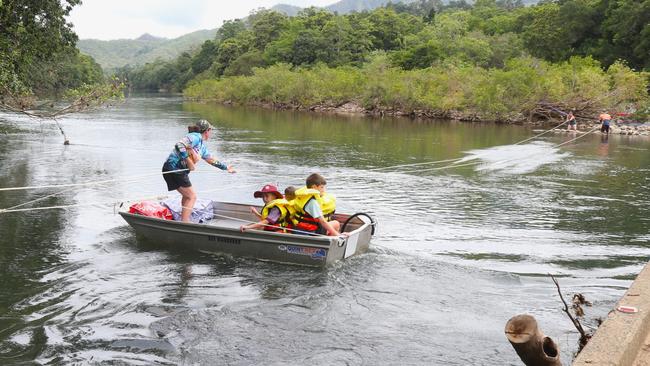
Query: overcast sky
101	19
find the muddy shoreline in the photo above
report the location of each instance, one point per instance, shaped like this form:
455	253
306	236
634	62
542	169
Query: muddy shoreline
353	108
636	129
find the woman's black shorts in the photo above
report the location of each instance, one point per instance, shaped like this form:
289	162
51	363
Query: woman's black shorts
175	180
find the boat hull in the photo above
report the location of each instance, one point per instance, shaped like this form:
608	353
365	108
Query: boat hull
224	236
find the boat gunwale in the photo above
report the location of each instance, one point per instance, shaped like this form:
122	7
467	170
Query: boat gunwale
178	226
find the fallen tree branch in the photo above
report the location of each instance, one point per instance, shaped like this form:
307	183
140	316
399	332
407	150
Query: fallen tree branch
584	337
84	99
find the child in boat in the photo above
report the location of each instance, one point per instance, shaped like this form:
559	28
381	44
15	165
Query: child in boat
289	195
314	208
275	213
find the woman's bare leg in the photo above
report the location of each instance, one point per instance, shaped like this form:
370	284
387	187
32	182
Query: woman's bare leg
188	200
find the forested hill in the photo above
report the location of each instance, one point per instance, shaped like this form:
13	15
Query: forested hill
342	7
135	52
146	48
348	6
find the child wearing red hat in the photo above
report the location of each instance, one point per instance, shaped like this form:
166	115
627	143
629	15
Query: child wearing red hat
275	213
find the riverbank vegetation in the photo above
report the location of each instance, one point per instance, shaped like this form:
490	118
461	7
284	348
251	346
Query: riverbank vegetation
493	60
522	87
39	60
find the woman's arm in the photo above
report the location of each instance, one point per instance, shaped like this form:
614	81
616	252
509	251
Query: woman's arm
192	159
217	164
186	152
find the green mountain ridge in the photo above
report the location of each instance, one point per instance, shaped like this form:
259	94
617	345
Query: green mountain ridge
341	7
290	10
348	6
146	48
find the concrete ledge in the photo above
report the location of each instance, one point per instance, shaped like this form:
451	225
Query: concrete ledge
622	339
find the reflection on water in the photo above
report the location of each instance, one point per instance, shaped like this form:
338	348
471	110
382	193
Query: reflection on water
462	244
603	148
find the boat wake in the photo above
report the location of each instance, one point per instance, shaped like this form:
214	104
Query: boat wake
515	159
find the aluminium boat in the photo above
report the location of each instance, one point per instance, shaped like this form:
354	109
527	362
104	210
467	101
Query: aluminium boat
222	235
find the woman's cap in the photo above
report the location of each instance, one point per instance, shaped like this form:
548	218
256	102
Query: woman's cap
269	188
203	125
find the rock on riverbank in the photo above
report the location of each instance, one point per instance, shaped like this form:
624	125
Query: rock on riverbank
615	129
354	108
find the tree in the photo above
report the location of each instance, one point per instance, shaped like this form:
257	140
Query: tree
244	64
426	9
451	38
230	29
627	33
230	50
267	25
69	71
30	34
543	33
34	38
388	29
314	18
557	31
309	47
347	44
205	57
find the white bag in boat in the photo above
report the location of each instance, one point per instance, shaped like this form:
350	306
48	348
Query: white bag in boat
203	209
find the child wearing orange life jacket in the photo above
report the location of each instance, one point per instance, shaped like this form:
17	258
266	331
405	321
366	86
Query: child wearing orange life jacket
275	213
314	207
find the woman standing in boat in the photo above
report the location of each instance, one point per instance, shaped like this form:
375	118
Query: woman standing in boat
184	157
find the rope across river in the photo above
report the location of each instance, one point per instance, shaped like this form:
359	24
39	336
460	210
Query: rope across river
453	163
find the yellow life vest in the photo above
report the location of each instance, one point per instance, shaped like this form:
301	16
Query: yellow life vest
292	210
304	195
283	206
300	218
328	205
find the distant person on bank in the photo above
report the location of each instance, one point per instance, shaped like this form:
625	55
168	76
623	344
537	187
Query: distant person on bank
186	154
605	120
571	119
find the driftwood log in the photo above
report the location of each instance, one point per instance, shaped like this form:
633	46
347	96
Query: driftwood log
532	346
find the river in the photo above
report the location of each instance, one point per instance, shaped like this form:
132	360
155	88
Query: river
458	250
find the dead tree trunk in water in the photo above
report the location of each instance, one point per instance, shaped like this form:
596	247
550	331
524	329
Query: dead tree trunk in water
532	346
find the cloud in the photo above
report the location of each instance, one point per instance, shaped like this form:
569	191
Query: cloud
116	19
187	13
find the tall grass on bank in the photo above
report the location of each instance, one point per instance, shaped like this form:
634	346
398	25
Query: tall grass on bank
498	94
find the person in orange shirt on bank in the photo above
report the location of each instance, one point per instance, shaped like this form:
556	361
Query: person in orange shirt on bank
605	120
